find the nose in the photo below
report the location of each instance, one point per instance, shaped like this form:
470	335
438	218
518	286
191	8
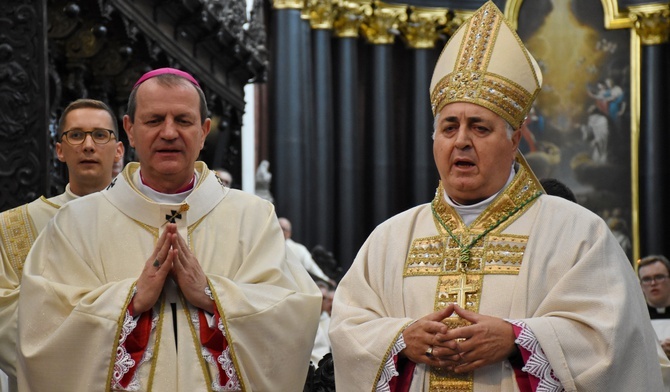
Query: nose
169	131
463	140
88	144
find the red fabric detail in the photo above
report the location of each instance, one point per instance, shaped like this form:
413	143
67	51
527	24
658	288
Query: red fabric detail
214	341
136	343
525	381
405	369
522	380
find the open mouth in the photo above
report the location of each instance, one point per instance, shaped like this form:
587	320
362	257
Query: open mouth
464	164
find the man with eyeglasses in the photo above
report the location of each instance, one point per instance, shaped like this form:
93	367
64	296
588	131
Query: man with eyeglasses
88	144
654	273
166	280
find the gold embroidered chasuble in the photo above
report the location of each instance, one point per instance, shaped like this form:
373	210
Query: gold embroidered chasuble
82	272
461	255
19	227
553	265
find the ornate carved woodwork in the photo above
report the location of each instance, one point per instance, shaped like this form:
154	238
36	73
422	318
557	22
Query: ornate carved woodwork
98	49
23	115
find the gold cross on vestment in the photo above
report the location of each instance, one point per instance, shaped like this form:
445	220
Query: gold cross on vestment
175	214
462	290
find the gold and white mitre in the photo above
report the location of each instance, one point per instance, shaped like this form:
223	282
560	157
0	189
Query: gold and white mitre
486	63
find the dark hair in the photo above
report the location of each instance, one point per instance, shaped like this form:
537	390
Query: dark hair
556	188
652	259
86	103
168	80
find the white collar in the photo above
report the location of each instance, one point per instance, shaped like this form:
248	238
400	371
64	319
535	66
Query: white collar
470	212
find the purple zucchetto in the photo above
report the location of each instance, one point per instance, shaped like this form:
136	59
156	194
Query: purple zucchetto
163	71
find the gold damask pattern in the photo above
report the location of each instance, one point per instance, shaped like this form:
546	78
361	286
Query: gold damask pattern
17	234
475	50
469	82
494	254
473	67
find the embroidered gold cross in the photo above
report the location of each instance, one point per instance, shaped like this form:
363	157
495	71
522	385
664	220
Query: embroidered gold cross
462	290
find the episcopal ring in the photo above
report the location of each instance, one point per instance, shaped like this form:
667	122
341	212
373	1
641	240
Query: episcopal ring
429	351
157	263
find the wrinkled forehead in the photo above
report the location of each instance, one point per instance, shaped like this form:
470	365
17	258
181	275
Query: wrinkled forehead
467	110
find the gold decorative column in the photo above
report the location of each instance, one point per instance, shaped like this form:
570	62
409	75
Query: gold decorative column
650	140
651	22
320	13
349	16
288	4
421	30
288	103
381	26
320	162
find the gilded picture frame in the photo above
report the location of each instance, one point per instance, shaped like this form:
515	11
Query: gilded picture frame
584	127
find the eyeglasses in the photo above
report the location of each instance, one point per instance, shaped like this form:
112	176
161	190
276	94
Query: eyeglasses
648	280
77	136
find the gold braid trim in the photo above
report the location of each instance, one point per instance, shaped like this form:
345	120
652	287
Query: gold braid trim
229	337
17	234
157	344
387	354
195	337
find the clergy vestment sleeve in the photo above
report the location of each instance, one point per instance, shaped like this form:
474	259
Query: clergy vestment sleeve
19	227
370	312
9	299
585	305
267	304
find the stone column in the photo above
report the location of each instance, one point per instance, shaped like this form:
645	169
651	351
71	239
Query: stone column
287	125
321	151
652	24
421	34
349	135
379	30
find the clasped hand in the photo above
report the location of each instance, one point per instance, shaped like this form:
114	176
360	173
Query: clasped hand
171	257
486	341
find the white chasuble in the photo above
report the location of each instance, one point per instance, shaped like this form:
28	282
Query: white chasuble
19	228
551	264
80	276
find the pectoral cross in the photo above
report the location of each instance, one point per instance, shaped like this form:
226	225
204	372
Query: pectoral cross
462	290
111	185
171	218
175	214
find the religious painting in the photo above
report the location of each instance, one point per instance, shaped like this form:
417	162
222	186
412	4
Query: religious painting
579	128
